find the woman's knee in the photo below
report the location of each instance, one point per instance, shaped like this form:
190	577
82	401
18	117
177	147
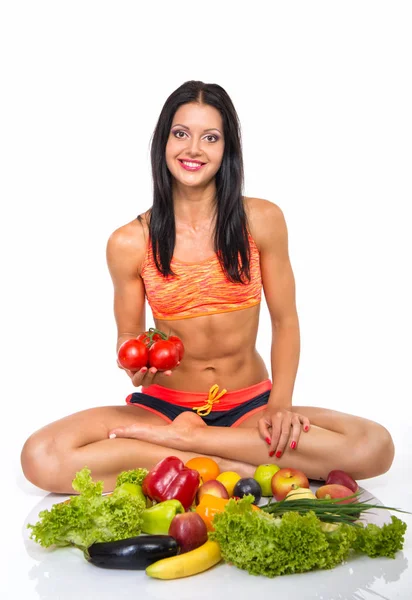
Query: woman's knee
375	451
40	461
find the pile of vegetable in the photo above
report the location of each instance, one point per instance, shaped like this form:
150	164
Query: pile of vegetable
176	521
263	544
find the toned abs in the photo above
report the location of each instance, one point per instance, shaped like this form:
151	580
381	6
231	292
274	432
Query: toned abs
219	349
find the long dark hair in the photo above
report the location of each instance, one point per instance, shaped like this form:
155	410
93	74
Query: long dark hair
230	238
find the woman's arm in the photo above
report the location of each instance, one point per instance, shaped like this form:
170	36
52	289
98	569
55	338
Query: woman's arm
279	288
125	252
279	424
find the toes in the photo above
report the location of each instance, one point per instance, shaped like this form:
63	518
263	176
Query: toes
120	432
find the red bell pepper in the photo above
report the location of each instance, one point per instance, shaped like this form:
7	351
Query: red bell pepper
171	479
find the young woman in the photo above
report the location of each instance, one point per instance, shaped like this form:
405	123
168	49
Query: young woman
202	254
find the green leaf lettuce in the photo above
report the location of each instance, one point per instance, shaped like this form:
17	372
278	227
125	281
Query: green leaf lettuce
135	476
294	543
91	517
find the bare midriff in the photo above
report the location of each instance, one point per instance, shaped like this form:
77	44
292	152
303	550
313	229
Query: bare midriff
219	349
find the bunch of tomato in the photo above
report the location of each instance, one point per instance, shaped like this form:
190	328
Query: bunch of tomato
153	348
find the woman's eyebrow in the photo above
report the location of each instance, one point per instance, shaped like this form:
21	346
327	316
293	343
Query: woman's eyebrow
184	127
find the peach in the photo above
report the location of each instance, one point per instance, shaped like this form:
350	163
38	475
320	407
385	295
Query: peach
212	487
335	490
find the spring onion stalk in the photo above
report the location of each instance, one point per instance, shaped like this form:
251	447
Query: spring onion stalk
330	510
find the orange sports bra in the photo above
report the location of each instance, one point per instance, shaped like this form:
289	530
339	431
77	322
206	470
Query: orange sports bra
200	288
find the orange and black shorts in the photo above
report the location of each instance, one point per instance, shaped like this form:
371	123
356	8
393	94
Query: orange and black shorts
219	408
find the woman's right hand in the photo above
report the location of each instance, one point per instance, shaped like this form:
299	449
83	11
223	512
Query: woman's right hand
145	376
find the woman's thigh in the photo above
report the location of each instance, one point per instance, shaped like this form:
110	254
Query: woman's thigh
92	425
326	418
52	455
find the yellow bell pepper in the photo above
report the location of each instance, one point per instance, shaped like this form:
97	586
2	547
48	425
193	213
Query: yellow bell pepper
208	507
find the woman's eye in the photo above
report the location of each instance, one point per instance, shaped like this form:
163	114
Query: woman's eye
210	138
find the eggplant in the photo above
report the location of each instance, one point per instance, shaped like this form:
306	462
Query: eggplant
132	553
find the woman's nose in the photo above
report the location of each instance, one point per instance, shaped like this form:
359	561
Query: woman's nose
194	146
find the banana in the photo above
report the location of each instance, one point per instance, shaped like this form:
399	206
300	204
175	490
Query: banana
190	563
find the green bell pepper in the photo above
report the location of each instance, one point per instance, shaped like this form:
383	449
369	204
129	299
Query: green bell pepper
133	489
157	519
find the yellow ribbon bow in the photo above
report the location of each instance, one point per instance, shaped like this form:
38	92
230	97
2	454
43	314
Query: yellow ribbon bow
204	410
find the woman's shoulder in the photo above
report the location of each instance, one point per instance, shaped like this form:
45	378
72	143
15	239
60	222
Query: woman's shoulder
260	208
129	242
264	218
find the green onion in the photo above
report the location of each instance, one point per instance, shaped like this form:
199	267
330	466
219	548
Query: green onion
342	513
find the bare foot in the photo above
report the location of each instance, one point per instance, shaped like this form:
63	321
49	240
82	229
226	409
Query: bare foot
177	435
187	423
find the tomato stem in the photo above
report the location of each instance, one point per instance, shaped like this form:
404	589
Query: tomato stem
153	330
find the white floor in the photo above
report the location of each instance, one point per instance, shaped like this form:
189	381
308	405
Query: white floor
63	574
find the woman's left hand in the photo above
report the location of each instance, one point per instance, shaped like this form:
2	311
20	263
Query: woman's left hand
281	427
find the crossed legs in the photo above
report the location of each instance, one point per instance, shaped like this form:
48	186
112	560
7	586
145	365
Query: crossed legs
51	456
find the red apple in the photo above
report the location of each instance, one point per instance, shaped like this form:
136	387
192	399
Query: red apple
212	487
189	530
285	480
335	490
343	478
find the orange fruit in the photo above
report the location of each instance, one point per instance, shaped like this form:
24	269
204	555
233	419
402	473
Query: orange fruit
229	480
206	467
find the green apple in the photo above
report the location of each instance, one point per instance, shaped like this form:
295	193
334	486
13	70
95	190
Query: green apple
263	476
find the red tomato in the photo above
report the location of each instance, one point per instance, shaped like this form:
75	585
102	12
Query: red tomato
163	355
179	344
133	355
144	337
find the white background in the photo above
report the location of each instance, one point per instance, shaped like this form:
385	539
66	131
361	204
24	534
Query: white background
323	91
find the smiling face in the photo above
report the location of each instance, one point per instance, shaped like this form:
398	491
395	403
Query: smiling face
195	146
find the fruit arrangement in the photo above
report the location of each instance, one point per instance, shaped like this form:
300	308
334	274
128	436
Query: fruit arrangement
153	348
177	520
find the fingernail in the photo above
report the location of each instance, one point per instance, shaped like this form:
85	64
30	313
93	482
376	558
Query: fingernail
143	370
267	440
278	453
293	445
153	370
112	436
306	428
271	453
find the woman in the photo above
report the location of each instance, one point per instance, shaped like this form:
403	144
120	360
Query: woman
202	255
